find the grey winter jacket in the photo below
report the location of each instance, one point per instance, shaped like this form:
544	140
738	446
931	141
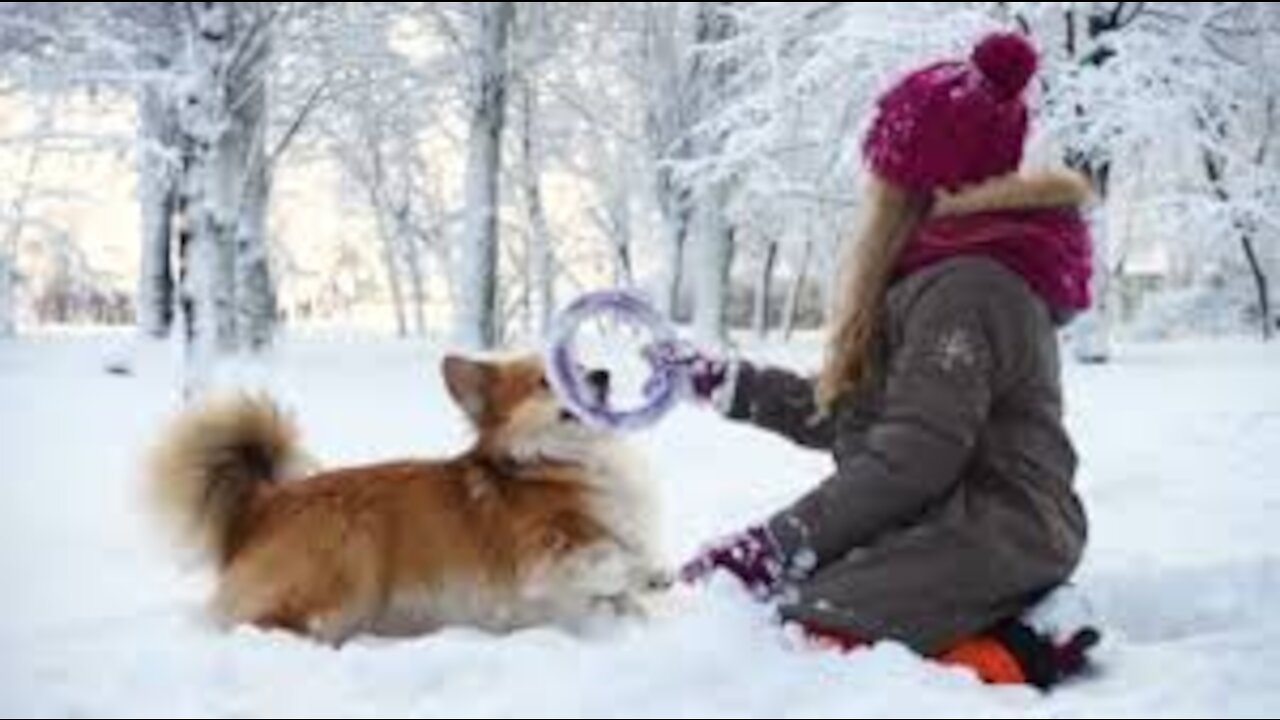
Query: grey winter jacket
951	506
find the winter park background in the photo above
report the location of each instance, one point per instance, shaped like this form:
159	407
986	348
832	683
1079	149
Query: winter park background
321	198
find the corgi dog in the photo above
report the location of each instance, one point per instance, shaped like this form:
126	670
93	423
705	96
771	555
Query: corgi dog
543	521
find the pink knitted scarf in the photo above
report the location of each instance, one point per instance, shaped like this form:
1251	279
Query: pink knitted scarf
1051	249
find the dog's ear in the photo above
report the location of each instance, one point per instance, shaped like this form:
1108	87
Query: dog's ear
467	381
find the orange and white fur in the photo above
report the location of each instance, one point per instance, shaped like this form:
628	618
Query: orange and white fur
544	521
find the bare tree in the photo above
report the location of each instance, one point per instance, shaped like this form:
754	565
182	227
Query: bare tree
715	25
1121	78
477	311
199	73
13	223
762	307
225	296
533	50
667	127
156	35
157	204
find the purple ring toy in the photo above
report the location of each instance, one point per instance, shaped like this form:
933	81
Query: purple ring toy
568	377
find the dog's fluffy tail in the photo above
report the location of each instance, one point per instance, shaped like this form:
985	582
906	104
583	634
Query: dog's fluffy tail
211	463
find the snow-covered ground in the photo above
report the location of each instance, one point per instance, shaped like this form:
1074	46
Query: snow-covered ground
1181	448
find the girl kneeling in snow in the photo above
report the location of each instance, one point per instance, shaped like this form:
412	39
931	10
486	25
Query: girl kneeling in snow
951	510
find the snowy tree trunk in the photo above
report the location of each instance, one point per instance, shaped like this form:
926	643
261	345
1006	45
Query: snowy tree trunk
8	296
666	119
672	279
257	304
255	291
541	261
413	265
1262	285
227	294
714	25
157	202
476	321
8	292
620	222
1264	156
711	272
208	197
795	294
1218	172
378	161
1215	172
764	292
391	263
1093	332
16	215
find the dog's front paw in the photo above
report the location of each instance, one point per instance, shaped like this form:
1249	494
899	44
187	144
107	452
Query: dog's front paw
623	605
656	580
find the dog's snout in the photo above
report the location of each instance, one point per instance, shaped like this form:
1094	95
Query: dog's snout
598	379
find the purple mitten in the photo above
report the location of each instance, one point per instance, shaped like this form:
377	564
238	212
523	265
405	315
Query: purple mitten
700	375
752	556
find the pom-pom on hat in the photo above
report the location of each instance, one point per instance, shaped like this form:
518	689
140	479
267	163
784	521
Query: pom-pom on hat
955	123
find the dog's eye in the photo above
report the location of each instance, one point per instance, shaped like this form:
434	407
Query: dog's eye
543	384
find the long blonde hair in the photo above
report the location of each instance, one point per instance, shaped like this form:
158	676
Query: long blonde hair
890	216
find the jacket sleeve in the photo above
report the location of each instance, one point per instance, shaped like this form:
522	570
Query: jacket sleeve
960	338
782	402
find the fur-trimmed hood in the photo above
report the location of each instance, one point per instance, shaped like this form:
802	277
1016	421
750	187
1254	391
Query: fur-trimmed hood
1040	190
1030	223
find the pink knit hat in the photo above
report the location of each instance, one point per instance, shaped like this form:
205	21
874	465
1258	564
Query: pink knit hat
955	123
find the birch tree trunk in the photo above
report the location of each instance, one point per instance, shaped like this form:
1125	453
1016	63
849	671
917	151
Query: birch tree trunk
227	293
